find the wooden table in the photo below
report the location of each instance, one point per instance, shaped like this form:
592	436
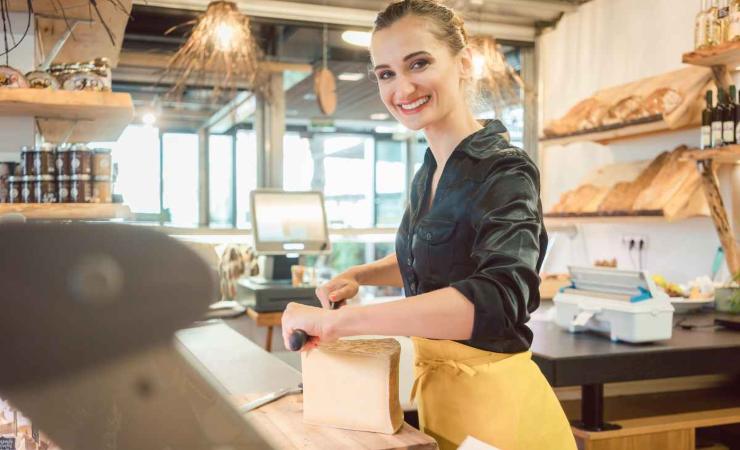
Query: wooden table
246	372
590	361
266	319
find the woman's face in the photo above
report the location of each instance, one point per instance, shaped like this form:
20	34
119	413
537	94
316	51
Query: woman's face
418	77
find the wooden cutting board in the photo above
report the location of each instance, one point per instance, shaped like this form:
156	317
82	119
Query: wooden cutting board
281	424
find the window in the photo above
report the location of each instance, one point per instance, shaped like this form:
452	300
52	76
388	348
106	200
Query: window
136	161
298	163
246	178
220	179
390	182
180	178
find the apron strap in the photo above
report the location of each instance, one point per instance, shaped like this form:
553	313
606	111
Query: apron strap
430	365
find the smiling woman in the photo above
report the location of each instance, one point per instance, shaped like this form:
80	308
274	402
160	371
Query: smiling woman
467	254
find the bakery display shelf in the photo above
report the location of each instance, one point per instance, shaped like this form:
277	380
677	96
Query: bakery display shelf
727	54
68	211
724	155
71	116
647	216
611	133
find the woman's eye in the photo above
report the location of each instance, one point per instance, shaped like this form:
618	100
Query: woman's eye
385	74
419	64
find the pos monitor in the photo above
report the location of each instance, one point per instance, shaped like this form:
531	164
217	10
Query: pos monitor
286	225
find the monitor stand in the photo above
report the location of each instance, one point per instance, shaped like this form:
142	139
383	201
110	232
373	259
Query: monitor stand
275	269
272	290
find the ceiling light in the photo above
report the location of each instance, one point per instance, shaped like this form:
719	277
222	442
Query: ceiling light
359	38
385	129
351	76
219	49
149	119
379	116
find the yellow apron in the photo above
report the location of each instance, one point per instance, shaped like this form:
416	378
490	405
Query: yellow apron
501	399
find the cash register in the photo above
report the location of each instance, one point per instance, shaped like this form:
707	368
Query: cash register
285	225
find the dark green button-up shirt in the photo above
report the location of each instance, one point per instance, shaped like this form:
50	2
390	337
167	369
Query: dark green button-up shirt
483	235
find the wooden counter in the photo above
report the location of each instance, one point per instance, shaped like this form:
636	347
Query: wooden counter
246	371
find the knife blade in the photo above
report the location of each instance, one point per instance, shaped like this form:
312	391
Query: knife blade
269	398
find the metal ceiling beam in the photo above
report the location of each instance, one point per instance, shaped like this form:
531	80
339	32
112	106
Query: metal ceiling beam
352	17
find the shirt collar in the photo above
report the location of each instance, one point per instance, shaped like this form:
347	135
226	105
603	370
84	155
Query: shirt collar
481	144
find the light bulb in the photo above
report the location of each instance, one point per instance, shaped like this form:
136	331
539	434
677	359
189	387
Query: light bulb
149	119
224	36
360	38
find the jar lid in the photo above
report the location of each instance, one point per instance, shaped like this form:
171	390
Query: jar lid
44	178
80	178
101	178
27	178
45	147
27	148
102	150
64	178
14	178
79	148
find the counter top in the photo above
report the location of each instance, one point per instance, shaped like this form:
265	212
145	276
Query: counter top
570	359
245	371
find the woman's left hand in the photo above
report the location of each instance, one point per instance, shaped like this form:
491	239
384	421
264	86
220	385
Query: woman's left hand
316	322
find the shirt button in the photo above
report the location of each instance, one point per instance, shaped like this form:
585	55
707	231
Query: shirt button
409	261
429	236
413	286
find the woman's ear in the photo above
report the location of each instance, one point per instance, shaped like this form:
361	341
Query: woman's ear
465	62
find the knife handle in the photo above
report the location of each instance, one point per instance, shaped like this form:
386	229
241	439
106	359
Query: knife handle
297	340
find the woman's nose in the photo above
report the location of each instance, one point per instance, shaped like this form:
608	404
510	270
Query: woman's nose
405	87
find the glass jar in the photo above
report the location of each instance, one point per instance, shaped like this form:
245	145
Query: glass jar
62	162
6	170
27	189
44	189
38	79
39	160
102	162
102	190
80	160
80	189
63	186
14	189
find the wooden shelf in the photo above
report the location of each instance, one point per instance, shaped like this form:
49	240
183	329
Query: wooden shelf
90	40
563	220
727	54
78	116
724	155
628	131
68	211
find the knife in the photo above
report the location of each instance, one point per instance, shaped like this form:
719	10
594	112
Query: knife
269	398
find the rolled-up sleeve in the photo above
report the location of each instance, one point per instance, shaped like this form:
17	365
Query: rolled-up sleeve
507	219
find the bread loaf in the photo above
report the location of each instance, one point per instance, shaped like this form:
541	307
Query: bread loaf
663	101
623	195
667	182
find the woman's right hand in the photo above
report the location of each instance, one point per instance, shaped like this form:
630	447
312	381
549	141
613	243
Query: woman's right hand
336	291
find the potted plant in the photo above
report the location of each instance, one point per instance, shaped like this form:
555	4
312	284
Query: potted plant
727	299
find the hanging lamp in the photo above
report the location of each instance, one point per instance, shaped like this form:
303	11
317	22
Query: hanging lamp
219	51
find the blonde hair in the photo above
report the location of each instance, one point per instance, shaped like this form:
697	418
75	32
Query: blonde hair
450	27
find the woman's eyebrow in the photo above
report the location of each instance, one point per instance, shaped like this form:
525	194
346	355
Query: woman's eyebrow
405	58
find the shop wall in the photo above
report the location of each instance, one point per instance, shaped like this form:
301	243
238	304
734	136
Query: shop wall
607	43
18	131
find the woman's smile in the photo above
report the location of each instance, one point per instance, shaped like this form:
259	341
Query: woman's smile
415	106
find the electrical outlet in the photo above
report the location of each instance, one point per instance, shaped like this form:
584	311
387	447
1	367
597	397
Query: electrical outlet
636	238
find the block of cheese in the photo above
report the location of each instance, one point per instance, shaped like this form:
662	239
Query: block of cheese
353	384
